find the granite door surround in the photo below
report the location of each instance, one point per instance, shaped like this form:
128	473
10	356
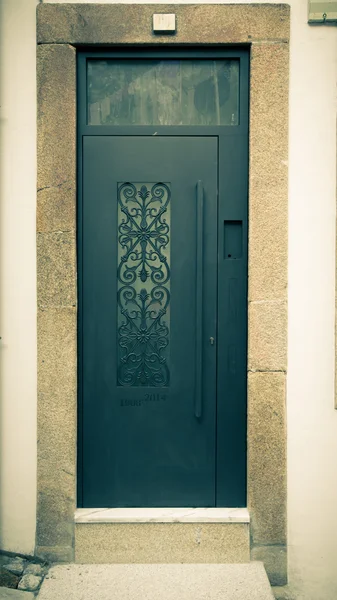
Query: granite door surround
61	30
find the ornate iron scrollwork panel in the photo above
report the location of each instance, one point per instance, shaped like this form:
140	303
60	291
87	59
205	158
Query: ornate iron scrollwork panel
143	296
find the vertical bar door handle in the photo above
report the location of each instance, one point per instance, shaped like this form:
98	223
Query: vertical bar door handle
199	291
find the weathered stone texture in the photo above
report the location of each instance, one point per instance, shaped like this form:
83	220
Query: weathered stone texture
54	527
56	269
162	543
267	336
132	24
34	569
29	582
56	287
16	566
56	208
57	426
8	579
267	469
57	389
266	27
268	192
57	554
56	142
274	559
284	592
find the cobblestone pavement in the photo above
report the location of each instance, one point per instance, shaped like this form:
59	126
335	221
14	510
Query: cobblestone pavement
20	577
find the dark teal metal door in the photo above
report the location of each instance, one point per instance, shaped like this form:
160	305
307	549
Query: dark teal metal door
162	276
149	318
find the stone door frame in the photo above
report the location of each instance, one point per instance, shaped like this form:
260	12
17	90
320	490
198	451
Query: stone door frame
61	30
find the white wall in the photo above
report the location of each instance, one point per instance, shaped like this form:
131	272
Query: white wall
17	276
312	420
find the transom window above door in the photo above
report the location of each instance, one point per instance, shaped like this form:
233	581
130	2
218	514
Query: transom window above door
163	92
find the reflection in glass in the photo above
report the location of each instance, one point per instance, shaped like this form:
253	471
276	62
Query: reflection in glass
163	92
143	293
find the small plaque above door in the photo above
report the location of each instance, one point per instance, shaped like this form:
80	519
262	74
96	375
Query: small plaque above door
164	23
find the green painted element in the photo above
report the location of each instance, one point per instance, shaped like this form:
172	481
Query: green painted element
143	296
180	441
143	445
199	300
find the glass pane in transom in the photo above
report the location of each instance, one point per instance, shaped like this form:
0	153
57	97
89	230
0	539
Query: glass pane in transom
163	92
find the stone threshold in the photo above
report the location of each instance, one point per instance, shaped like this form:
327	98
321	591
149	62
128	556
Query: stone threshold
157	581
162	515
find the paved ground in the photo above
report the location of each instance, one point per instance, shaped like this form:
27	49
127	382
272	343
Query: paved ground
20	577
10	594
156	582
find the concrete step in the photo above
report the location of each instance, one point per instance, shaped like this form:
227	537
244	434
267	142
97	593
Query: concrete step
157	582
178	535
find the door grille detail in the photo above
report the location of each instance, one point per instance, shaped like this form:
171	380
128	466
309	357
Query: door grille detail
143	294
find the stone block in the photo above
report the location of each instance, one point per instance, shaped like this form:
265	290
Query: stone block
57	426
55	517
267	336
56	120
34	569
56	554
16	565
8	579
56	269
57	373
56	254
29	583
162	543
283	592
267	470
274	559
56	208
132	24
268	187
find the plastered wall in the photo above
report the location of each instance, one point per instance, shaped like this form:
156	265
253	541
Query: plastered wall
17	275
312	420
